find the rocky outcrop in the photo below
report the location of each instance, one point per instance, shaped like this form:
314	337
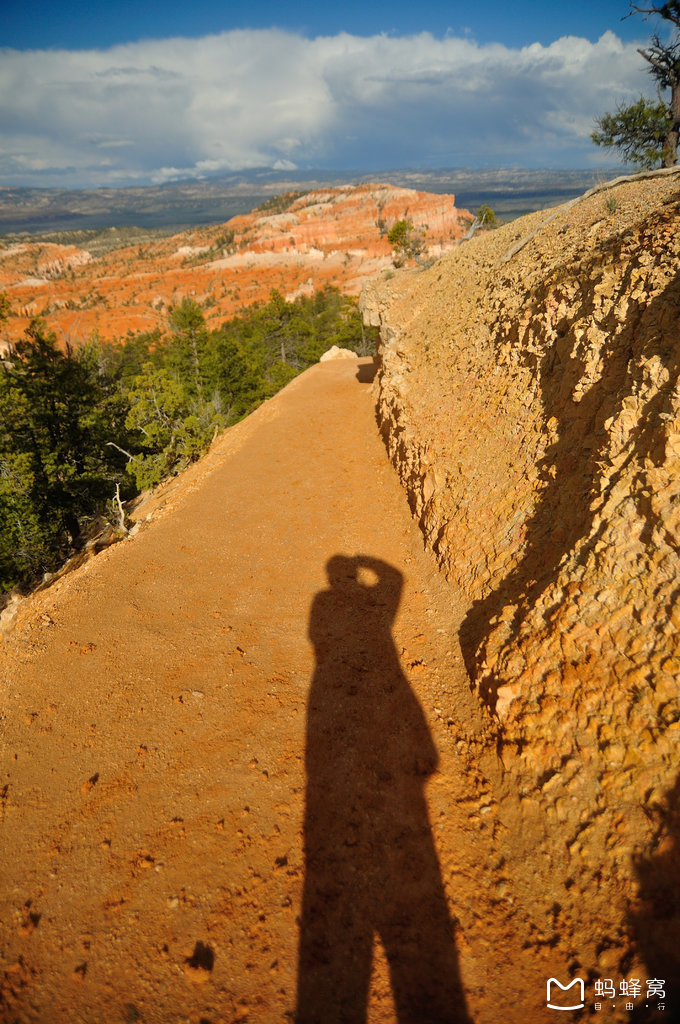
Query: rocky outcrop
532	408
294	244
334	352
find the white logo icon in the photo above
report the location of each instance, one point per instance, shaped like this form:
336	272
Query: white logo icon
565	988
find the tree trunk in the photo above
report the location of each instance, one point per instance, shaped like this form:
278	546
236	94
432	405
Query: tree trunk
670	146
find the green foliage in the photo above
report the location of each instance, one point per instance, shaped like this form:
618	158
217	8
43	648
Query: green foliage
124	360
56	470
227	377
168	429
406	242
188	337
75	424
280	203
647	133
637	131
223	241
5	307
486	217
292	335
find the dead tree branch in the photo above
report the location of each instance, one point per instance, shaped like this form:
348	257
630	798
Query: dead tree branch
112	444
518	246
121	511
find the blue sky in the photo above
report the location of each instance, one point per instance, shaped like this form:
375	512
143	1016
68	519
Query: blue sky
139	91
82	25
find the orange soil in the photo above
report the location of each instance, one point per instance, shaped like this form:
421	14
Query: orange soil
171	708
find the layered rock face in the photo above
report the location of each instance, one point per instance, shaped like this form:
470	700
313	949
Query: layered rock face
332	237
531	403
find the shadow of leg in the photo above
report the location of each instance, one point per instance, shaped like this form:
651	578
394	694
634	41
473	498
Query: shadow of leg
335	948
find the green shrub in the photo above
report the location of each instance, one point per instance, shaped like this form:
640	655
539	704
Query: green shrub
406	242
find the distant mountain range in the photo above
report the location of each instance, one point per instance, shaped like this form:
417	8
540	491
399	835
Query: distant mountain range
179	205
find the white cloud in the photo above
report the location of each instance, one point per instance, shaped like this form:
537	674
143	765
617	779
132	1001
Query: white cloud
177	107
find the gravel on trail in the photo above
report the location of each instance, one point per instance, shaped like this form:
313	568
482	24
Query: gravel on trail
243	775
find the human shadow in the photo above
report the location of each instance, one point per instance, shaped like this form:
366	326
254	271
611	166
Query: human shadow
371	868
654	919
571	470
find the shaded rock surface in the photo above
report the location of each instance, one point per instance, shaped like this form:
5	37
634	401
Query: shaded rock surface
532	409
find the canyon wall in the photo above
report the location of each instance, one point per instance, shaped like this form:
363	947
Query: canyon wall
297	243
531	403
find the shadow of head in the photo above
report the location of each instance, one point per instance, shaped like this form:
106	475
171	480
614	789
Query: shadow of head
365	579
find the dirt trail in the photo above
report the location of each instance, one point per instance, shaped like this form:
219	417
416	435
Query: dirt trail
157	725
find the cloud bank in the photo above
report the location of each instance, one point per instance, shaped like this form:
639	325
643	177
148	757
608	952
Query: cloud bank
156	111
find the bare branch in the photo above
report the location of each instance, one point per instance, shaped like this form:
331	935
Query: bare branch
668	11
660	64
473	227
659	172
112	444
121	511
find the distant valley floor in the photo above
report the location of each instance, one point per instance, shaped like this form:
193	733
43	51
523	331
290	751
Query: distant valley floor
172	207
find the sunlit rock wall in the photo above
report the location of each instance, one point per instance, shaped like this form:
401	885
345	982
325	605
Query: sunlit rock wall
532	407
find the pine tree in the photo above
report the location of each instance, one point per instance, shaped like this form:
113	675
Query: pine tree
647	132
56	470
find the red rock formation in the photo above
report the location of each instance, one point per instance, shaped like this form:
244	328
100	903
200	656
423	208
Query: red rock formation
335	236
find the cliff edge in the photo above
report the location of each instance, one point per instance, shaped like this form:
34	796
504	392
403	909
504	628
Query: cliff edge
530	400
297	243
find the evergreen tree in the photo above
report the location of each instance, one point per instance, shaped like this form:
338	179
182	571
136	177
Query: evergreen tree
188	337
171	434
56	469
75	425
647	132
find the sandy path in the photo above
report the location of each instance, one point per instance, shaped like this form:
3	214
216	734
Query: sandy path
156	723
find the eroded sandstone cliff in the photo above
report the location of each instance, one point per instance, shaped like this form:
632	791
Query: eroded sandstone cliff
531	403
297	244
